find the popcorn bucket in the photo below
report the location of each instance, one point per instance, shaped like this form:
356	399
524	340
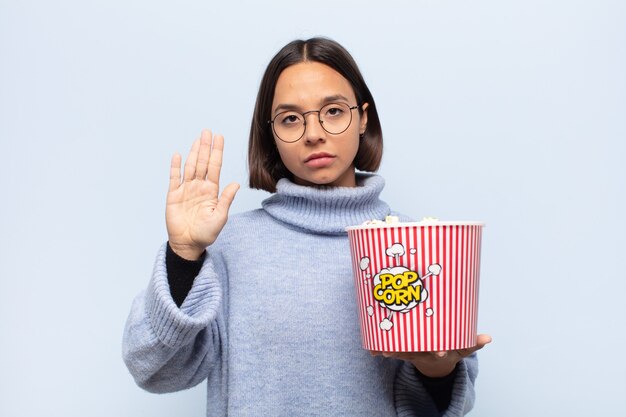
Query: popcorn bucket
417	284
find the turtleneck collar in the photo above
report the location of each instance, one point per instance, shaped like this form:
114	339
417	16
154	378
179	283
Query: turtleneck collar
328	210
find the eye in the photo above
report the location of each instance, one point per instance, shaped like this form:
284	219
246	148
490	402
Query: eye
289	118
334	111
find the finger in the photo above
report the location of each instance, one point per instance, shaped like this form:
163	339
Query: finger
227	197
203	154
481	341
215	161
190	163
175	172
405	356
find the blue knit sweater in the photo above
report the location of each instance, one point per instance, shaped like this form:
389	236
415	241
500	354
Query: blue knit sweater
271	319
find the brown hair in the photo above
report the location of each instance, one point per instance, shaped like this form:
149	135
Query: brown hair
264	163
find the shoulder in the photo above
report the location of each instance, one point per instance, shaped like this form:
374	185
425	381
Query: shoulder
247	216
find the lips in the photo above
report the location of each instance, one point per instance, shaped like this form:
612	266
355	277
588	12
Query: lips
318	156
319	160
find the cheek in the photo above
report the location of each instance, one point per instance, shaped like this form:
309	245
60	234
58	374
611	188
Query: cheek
353	143
285	155
356	150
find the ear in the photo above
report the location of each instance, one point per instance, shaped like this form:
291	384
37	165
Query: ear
363	124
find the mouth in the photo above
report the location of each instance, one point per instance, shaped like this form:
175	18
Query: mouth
319	160
317	156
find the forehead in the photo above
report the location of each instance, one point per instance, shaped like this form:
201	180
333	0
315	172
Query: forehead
308	83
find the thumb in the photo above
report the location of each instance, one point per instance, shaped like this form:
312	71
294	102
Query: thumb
481	341
227	197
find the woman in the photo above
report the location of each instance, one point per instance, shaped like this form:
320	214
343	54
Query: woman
262	305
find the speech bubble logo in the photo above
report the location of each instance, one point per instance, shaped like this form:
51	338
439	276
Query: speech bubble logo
399	289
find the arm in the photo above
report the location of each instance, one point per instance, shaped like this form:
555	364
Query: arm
436	383
440	389
413	399
410	380
167	347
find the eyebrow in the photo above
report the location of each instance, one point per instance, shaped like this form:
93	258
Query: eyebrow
325	100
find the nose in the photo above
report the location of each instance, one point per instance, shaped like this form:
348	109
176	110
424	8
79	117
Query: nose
314	132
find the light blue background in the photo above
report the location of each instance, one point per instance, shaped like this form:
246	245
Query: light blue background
508	112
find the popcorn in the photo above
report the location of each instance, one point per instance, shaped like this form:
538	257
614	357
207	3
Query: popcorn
374	221
392	219
388	220
396	220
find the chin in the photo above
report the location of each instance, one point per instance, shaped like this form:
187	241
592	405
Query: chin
332	181
326	177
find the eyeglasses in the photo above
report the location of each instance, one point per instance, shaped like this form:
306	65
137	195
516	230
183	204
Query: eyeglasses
335	118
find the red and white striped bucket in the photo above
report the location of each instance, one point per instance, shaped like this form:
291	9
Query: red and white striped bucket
417	284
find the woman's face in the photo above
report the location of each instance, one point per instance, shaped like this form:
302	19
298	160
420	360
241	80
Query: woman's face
318	158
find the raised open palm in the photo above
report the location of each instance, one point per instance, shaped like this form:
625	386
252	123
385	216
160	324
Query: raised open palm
195	213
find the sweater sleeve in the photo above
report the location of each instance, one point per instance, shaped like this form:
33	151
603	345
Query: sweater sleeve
169	348
440	389
413	399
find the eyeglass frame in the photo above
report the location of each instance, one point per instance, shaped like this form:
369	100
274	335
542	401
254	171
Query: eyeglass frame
319	119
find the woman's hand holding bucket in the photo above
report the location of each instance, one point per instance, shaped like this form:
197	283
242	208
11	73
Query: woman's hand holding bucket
437	364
